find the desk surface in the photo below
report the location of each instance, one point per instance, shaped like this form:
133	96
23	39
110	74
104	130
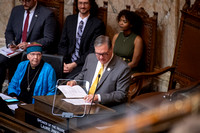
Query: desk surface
41	112
62	106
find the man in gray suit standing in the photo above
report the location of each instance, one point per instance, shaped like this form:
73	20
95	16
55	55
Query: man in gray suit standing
108	75
29	22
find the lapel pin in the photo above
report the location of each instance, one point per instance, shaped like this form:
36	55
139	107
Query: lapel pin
108	69
36	16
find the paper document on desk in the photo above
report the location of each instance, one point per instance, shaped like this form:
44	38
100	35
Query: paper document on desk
77	101
13	106
72	91
3	96
8	52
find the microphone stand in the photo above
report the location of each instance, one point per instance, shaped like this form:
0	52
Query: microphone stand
94	94
67	115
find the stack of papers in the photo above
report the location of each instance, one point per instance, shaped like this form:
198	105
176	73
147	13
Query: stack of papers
74	94
77	101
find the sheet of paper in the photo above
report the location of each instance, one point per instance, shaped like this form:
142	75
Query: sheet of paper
72	92
3	96
13	106
8	52
77	101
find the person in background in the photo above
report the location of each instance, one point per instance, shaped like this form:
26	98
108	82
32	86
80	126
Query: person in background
128	44
29	22
77	40
108	75
33	77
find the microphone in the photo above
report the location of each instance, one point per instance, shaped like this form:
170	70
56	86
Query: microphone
99	75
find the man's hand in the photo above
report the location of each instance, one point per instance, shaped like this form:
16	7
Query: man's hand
23	45
71	83
89	97
67	68
13	47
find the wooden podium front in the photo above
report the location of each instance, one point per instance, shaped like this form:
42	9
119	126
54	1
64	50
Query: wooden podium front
40	114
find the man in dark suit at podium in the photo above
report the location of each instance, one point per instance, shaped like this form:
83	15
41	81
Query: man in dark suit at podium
29	22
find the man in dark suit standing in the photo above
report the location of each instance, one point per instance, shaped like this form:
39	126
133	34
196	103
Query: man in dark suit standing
80	31
108	75
29	22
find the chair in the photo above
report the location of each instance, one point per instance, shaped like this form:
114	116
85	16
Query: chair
185	92
56	61
57	6
102	11
149	36
185	68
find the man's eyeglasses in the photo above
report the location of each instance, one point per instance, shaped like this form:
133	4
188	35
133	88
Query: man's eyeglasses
83	3
102	54
36	54
26	1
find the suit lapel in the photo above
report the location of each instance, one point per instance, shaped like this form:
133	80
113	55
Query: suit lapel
92	69
87	27
108	70
20	22
34	20
74	26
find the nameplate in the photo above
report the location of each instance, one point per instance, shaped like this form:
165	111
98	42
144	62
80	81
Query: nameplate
43	124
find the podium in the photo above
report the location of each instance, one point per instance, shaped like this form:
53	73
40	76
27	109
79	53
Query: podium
40	114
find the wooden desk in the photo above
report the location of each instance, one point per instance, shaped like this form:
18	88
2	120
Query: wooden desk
155	120
40	114
10	124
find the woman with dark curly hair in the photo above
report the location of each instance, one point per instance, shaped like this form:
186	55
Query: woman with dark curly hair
128	44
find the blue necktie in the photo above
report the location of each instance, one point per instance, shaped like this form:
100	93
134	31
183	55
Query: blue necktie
79	33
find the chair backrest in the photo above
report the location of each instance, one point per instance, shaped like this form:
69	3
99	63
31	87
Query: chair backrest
187	52
56	61
57	6
102	11
149	36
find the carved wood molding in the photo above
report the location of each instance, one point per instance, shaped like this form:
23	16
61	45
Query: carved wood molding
194	10
150	25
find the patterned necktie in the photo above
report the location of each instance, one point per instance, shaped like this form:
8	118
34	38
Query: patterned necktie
75	55
24	33
94	85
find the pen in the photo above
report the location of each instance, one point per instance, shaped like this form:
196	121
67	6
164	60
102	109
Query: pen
11	53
